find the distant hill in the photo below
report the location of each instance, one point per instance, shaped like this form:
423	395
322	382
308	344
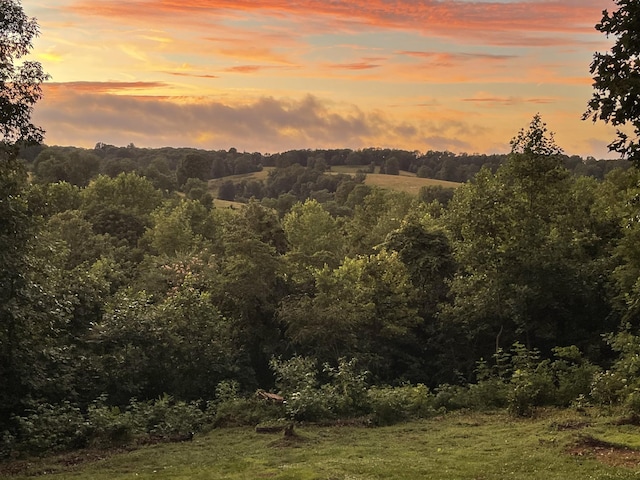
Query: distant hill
405	182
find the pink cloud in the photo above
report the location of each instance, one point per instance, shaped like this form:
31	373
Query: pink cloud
501	23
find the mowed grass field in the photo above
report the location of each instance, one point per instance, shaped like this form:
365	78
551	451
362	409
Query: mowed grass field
405	182
555	445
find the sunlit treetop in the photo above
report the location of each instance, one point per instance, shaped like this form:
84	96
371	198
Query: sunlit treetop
536	140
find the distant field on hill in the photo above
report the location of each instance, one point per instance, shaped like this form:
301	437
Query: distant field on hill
405	182
262	175
555	445
226	204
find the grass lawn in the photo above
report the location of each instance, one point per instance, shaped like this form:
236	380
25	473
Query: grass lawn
405	183
555	445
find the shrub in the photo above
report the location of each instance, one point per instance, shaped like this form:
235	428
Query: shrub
343	394
346	390
108	424
245	412
491	389
451	397
49	427
391	405
620	384
573	375
7	443
166	417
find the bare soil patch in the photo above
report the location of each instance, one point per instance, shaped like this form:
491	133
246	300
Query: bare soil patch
606	452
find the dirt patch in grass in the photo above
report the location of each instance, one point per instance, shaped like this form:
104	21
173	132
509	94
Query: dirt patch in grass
608	453
632	419
570	425
289	439
36	467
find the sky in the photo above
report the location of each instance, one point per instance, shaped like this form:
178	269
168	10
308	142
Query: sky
273	75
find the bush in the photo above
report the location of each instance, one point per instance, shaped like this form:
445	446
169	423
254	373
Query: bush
392	405
620	385
7	443
47	428
521	381
108	424
167	418
245	412
491	389
532	382
343	394
451	397
574	375
346	390
230	409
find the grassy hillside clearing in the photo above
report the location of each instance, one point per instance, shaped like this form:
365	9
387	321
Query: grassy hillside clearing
226	204
215	183
555	445
405	182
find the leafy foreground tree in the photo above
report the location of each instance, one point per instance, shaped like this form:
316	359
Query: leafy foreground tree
19	90
528	252
20	82
616	76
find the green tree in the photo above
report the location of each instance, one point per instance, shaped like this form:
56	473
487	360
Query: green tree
193	165
377	214
361	309
20	81
313	235
227	191
120	206
616	76
182	228
526	245
391	166
181	346
72	165
23	328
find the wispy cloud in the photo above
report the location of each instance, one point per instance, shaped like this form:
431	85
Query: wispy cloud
354	66
493	101
191	75
103	87
497	22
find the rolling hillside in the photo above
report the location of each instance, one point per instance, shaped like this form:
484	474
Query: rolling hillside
405	182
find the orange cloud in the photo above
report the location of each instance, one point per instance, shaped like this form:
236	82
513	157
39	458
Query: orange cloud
510	23
103	87
191	75
245	69
509	101
447	58
355	66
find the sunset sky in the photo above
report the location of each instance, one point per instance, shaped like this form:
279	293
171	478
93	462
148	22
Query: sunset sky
274	75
